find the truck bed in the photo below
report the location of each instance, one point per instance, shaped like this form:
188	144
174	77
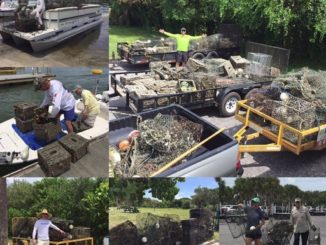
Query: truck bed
218	157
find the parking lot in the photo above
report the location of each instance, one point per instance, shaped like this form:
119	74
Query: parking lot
226	237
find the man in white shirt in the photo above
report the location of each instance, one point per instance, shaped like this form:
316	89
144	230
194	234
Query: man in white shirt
63	101
301	220
42	227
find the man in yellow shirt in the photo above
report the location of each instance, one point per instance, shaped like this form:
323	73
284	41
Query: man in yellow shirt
91	106
183	41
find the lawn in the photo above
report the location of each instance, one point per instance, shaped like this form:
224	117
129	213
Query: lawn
128	34
118	216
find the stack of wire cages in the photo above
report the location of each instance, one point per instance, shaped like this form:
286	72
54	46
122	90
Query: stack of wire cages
236	221
277	232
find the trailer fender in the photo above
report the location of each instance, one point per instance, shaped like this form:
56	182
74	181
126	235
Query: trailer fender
198	56
212	54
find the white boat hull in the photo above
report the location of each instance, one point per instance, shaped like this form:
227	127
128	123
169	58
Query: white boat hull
57	30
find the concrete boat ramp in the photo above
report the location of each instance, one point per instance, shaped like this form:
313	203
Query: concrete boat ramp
20	78
95	163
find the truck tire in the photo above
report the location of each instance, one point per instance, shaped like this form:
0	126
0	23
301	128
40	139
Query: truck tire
253	91
212	54
228	105
198	56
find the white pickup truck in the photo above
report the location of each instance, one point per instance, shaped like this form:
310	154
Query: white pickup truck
217	158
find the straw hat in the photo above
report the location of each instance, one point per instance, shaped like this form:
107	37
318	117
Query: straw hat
44	211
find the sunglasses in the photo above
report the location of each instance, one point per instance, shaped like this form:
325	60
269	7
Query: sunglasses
183	30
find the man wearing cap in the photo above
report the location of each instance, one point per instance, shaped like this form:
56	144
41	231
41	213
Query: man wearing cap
41	228
301	221
255	220
63	101
183	41
91	106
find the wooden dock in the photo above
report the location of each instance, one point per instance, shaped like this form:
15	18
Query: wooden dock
20	78
95	163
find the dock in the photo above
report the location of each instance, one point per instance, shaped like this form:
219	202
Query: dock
95	163
20	78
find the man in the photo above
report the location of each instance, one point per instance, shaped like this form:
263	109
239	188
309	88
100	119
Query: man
63	101
41	227
255	220
38	12
91	106
182	44
301	220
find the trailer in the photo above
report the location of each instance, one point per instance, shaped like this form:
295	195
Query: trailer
221	45
224	98
312	139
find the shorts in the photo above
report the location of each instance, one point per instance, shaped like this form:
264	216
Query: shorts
43	242
182	57
254	235
69	115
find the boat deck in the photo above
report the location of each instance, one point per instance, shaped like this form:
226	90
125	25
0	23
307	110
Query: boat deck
19	78
95	163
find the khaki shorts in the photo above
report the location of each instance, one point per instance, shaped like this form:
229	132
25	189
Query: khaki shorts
41	242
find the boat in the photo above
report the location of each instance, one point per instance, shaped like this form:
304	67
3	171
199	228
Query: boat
59	24
17	147
7	9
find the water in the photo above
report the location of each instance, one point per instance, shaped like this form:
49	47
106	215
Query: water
9	95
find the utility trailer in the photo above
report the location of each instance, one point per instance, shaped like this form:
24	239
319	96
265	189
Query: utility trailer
224	98
217	157
305	140
221	45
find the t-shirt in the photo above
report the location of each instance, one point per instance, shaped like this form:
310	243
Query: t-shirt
90	102
301	219
41	227
59	97
254	216
182	40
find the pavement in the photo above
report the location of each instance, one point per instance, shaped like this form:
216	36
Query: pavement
227	239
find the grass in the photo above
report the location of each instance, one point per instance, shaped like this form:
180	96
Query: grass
128	34
118	216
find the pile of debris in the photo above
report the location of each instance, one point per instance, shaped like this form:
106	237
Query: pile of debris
162	230
159	141
297	99
277	232
200	75
154	46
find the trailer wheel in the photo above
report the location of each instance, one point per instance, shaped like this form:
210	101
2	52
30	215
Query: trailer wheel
228	105
198	56
212	55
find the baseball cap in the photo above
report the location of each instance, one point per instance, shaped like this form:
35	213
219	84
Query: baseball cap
256	200
297	200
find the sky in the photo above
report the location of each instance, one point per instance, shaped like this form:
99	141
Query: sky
187	188
305	184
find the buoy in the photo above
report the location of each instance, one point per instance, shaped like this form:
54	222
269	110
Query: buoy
97	72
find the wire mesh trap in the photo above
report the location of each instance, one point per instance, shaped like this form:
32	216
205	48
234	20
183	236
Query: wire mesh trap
161	140
236	221
277	232
158	230
314	236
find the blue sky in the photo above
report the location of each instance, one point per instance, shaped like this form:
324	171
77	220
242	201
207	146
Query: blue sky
187	188
305	184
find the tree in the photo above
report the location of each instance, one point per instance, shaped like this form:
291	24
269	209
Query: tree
3	212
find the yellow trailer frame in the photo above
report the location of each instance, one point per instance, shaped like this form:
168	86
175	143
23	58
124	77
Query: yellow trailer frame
86	240
244	114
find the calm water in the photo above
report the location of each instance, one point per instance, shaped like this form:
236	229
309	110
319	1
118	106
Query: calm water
9	95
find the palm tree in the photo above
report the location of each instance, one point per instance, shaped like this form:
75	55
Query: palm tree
3	212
